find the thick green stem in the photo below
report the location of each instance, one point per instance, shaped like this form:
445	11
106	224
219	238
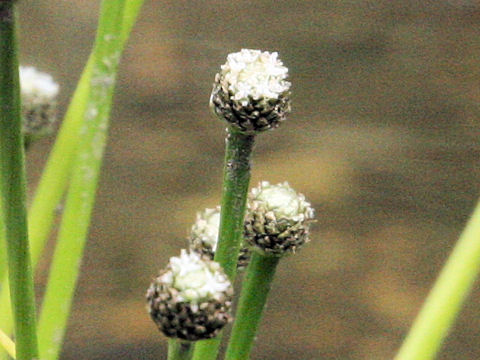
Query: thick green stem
12	179
179	350
236	178
447	296
256	285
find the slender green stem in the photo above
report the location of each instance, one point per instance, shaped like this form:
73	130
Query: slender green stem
236	178
256	285
81	194
12	177
179	350
58	170
3	250
446	297
7	344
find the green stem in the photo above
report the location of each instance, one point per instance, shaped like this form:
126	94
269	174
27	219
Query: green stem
81	194
446	297
179	350
236	178
256	285
3	251
12	179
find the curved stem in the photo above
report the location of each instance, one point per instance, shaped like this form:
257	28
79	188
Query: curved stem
13	184
81	194
255	289
446	297
179	350
236	178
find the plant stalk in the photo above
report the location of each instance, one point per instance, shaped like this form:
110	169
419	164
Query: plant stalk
236	178
256	286
13	186
179	350
446	297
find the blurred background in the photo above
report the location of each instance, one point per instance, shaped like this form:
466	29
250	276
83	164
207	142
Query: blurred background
383	140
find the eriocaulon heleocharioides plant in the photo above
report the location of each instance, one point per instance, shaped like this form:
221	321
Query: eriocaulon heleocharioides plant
252	95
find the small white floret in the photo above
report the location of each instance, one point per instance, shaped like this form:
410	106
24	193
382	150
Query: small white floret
253	74
196	279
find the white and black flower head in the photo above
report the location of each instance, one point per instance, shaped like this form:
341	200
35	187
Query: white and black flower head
204	236
251	92
278	219
191	298
38	92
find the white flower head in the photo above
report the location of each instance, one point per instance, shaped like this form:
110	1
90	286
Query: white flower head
37	86
191	299
195	279
253	74
38	92
250	91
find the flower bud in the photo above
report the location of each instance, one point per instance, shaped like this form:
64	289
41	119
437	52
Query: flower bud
204	236
38	92
278	219
251	92
191	299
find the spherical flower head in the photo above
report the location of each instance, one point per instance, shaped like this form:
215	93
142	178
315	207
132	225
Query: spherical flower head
278	219
251	92
38	92
191	299
203	238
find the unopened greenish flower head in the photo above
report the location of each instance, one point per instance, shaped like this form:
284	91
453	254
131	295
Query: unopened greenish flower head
278	219
283	201
205	229
191	299
39	92
251	91
203	238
